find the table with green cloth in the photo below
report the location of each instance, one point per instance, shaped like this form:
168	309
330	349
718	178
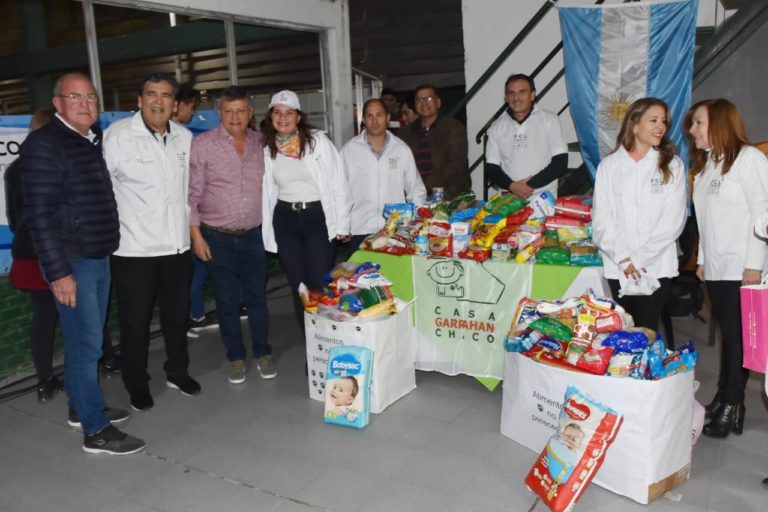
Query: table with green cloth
463	309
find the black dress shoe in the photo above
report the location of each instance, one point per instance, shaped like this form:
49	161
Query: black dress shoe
142	401
713	407
729	419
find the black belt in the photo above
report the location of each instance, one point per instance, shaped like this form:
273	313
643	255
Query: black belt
299	205
234	232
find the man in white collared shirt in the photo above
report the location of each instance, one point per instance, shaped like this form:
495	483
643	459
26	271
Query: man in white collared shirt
148	158
526	153
380	170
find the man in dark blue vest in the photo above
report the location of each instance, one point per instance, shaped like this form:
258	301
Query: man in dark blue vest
71	211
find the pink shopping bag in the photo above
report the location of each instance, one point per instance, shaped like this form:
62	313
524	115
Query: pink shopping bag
754	326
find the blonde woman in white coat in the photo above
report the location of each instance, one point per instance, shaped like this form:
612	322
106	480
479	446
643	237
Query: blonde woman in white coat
730	192
640	210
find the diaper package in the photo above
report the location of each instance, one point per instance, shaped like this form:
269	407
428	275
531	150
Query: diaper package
347	386
571	458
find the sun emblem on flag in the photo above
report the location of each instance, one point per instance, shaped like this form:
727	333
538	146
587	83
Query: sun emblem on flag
612	113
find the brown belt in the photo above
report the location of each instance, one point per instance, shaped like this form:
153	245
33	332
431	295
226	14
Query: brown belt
233	232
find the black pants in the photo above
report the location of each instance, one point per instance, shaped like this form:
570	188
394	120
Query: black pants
304	249
42	331
645	309
726	309
138	281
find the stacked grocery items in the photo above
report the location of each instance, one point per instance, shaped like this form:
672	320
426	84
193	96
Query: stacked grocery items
355	290
505	228
593	335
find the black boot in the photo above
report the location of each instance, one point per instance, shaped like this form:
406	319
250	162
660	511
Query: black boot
713	407
729	419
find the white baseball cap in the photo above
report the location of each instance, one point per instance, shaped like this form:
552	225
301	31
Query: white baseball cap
287	98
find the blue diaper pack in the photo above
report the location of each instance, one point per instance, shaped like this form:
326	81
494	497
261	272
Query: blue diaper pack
348	386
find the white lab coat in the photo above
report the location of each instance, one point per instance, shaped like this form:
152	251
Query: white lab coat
638	216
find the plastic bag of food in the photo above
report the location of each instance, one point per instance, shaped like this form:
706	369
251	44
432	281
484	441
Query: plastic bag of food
475	253
585	254
559	221
543	204
627	342
553	256
577	207
519	217
439	235
552	328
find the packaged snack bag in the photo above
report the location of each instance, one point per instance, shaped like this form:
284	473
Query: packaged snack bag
475	253
577	207
553	328
504	204
543	204
573	456
439	235
559	221
553	256
502	251
519	217
347	386
585	254
405	211
460	233
528	251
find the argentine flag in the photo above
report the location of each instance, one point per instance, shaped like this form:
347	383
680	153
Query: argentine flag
615	54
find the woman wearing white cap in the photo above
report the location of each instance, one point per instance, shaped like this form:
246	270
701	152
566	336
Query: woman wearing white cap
306	197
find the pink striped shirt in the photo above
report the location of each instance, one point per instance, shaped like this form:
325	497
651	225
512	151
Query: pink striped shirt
225	188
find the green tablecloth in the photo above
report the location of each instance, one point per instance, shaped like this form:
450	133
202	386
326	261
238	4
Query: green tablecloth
463	309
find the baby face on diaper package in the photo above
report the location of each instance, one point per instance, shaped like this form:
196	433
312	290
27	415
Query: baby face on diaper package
347	387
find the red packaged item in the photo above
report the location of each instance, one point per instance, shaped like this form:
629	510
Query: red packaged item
439	237
609	322
577	207
546	345
521	216
595	360
552	359
572	457
476	253
560	221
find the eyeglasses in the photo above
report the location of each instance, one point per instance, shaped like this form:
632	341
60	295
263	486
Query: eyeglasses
78	98
425	99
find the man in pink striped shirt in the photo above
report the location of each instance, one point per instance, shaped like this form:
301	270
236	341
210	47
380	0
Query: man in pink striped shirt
225	178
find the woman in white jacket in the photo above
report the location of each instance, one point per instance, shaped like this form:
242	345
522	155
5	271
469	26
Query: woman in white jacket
730	192
306	201
639	211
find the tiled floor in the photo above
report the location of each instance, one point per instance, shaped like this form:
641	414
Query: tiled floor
262	446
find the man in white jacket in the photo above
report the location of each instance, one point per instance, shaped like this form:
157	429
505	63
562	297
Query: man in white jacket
380	170
148	158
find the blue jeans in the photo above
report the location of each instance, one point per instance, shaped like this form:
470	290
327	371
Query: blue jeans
239	265
82	328
196	298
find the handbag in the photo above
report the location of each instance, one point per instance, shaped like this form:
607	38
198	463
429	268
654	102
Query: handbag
754	325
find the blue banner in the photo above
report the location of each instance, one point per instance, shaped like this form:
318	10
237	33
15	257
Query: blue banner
615	54
13	131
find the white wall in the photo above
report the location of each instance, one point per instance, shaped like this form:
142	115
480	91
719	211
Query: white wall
489	26
328	17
